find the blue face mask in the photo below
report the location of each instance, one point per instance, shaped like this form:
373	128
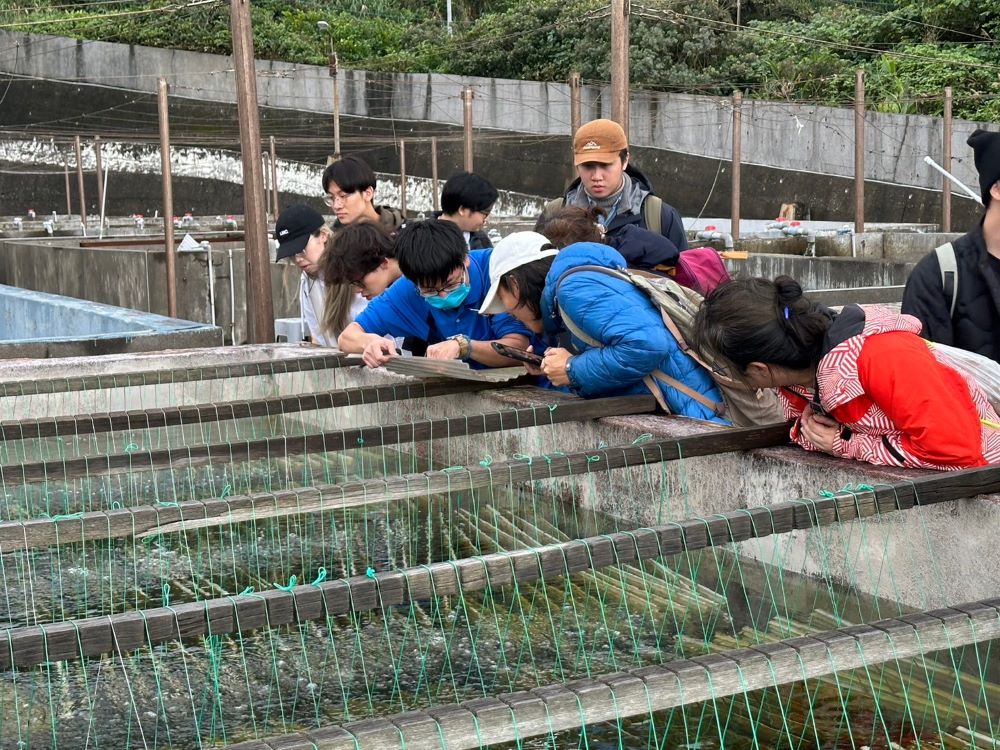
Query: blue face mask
454	299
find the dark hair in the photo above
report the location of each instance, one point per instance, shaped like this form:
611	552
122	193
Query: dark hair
428	251
467	190
571	224
354	251
527	282
351	175
757	320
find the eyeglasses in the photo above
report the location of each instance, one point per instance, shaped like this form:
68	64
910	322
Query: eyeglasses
450	287
332	200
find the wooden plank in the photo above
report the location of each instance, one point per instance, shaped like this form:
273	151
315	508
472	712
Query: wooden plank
423	582
141	419
155	376
649	689
285	445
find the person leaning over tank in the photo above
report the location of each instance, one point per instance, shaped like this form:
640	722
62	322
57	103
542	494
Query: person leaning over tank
606	180
620	341
641	248
859	384
964	311
436	301
302	235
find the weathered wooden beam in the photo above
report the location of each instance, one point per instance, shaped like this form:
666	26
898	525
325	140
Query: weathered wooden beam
148	520
142	419
515	717
306	362
21	648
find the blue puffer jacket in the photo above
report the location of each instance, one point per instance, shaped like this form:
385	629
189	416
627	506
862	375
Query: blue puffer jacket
621	317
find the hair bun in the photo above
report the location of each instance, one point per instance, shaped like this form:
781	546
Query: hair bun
787	291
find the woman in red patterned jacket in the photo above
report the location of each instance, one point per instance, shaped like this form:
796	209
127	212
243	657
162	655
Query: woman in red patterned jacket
860	383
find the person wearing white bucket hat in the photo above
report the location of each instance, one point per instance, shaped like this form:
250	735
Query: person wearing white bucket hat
616	337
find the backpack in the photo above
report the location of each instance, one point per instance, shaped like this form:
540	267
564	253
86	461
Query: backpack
698	268
652	211
678	305
949	274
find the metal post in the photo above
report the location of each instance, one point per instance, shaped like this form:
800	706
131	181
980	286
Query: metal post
434	174
575	105
168	199
69	197
859	151
402	176
736	162
260	306
334	67
619	62
79	182
99	171
448	14
274	179
946	163
467	125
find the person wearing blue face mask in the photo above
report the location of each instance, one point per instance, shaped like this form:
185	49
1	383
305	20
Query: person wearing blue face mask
436	301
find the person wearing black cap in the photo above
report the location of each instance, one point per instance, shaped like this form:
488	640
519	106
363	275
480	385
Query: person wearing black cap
955	290
302	235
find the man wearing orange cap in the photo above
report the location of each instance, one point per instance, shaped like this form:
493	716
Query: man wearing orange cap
606	179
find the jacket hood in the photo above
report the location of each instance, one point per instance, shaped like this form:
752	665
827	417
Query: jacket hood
838	382
579	254
391	219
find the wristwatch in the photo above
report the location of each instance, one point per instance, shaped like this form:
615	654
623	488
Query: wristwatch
464	345
569	363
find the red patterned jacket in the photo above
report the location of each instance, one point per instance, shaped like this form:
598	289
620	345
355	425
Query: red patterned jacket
898	404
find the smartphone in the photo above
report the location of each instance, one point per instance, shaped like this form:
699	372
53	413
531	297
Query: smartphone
519	354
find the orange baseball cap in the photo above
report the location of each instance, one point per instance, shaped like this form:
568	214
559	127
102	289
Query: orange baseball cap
600	141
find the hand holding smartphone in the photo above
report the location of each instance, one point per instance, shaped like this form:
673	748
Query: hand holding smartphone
519	354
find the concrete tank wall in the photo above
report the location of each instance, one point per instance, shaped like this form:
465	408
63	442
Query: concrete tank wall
134	276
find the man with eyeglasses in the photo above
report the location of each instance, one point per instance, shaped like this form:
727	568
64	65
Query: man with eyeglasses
436	301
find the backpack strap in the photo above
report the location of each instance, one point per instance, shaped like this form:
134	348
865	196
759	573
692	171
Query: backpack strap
949	274
649	380
652	212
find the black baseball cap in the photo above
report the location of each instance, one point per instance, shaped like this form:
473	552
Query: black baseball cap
293	229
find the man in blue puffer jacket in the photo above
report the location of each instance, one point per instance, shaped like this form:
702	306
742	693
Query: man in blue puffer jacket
634	341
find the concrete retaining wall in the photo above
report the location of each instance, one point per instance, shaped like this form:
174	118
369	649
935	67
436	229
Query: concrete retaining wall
786	136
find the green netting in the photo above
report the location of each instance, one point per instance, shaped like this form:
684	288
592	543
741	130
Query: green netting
218	689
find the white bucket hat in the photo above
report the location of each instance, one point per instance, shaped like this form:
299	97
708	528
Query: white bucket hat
511	252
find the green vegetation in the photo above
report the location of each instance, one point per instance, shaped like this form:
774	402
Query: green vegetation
781	49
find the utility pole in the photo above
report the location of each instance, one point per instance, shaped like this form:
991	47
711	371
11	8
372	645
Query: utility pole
467	125
168	199
402	176
274	178
946	163
734	229
620	12
334	69
434	174
99	171
69	199
859	151
575	105
260	307
79	183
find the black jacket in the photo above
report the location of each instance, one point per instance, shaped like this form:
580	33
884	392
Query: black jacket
672	226
976	323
